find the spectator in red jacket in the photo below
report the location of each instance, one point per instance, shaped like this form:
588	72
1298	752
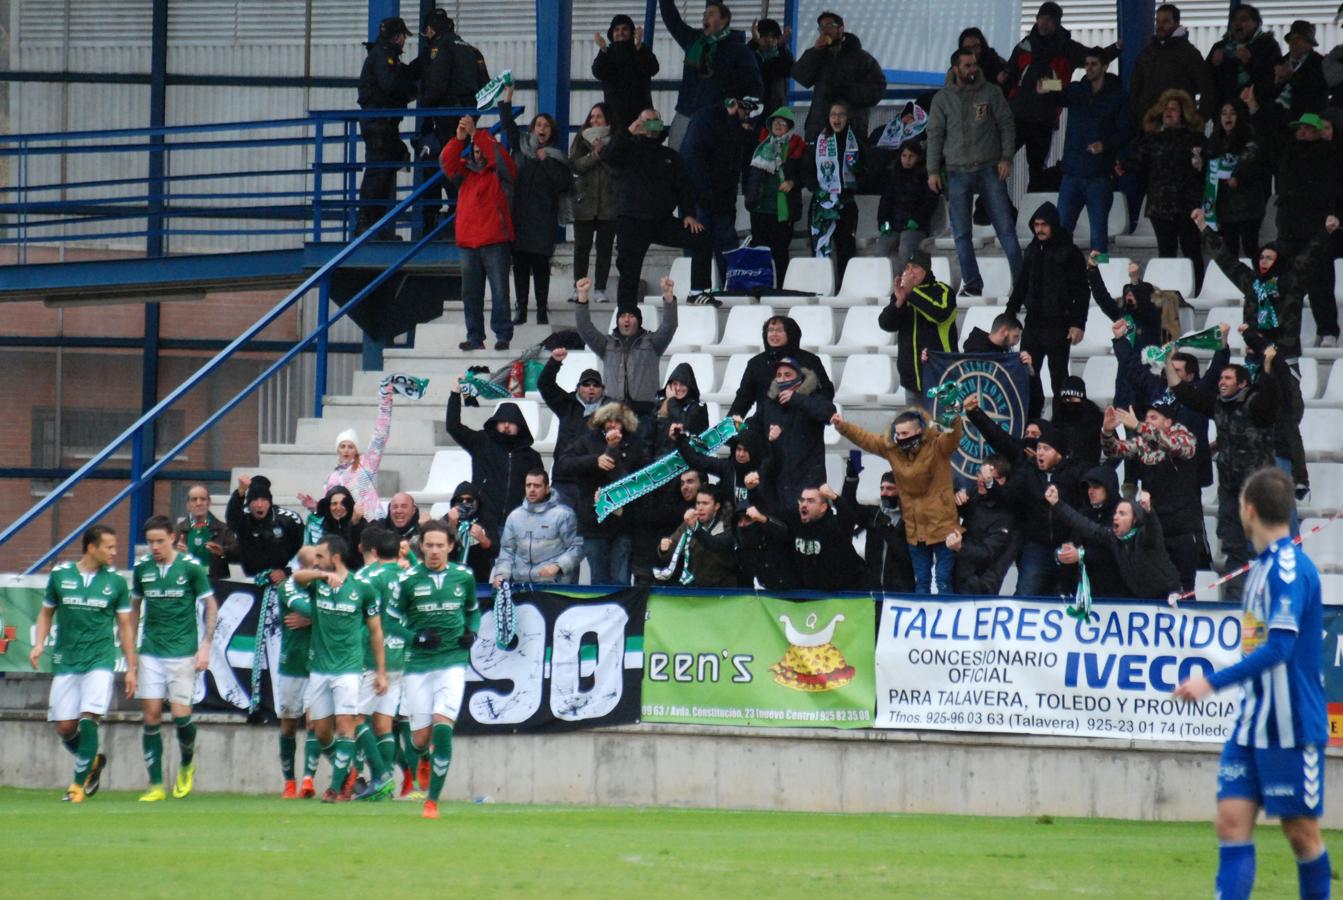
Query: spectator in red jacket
484	173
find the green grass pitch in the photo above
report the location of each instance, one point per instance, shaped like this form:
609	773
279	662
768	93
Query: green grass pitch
229	845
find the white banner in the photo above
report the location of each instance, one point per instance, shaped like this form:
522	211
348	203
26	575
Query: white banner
1026	667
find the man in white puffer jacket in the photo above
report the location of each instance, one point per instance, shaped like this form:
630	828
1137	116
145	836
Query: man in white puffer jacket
540	540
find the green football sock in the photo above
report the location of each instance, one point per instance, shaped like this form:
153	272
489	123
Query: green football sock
405	746
152	742
88	749
387	747
442	758
186	739
288	748
312	754
341	756
368	745
71	743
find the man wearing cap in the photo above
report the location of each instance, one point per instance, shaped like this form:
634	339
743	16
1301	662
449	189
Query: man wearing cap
1309	191
268	535
836	67
573	409
625	66
1164	451
718	141
1053	288
1298	81
922	311
384	83
449	72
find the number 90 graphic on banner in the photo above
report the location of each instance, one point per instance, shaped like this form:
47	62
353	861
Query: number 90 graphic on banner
583	686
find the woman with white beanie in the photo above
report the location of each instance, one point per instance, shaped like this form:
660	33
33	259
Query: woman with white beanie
359	473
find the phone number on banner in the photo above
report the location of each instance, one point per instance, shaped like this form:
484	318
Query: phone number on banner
1025	667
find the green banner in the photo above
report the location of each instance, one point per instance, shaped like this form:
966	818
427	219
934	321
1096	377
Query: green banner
752	660
19	606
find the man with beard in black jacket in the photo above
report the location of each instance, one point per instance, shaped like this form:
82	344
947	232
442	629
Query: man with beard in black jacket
384	83
268	535
501	453
651	185
656	515
625	66
1131	545
1100	487
477	531
837	68
821	538
572	408
1080	421
1053	289
887	564
992	535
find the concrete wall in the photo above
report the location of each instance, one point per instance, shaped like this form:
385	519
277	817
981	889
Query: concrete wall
726	768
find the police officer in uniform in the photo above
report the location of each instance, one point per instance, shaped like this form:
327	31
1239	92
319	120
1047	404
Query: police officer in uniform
449	72
384	83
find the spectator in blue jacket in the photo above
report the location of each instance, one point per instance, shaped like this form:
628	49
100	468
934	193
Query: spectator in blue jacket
1098	127
718	64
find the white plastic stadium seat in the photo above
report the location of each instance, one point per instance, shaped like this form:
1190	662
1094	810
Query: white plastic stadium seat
867	376
942	270
997	275
1228	315
1099	374
1218	290
861	331
867	278
979	317
1333	388
1310	377
1331	588
1338	280
1320	433
696	327
1115	224
1171	275
732	375
742	330
813	274
1097	334
1326	485
1115	274
700	363
680	274
1324	547
448	469
574	364
817	323
547	444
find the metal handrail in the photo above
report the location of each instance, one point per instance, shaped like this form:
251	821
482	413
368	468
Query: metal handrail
211	366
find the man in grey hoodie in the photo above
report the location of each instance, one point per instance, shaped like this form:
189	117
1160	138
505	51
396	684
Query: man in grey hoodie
971	135
540	541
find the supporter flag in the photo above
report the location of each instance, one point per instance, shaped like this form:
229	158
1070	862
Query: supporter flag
1003	385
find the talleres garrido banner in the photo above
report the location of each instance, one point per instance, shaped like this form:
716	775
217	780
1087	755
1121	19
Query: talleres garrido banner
1026	667
758	660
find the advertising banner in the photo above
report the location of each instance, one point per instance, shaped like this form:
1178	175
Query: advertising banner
1025	667
1003	386
757	660
576	663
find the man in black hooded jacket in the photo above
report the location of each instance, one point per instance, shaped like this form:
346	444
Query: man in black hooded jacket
992	535
886	562
1053	289
501	454
572	408
477	531
625	66
1079	419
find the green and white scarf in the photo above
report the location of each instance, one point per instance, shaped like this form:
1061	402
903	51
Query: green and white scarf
680	556
656	474
705	48
408	386
464	540
1154	357
486	96
267	622
769	157
1081	606
505	615
833	174
1220	168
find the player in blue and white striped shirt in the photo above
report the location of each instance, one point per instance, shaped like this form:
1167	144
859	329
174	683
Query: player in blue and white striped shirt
1275	755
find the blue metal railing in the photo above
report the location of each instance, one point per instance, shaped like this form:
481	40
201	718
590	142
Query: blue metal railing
314	200
342	205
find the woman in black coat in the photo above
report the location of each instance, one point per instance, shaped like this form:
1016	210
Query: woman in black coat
543	179
781	337
793	420
678	406
1135	543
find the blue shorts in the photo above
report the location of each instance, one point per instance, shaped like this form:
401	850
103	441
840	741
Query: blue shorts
1288	782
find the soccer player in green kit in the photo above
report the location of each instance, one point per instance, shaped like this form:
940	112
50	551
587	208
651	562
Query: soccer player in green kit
86	598
166	588
346	614
438	600
380	547
291	684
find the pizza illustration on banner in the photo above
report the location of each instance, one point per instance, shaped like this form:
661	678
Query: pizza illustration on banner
812	663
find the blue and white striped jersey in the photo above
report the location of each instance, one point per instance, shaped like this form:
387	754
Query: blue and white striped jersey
1284	705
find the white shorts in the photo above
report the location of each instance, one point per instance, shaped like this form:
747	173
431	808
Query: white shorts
78	692
291	696
434	693
333	695
387	704
171	678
